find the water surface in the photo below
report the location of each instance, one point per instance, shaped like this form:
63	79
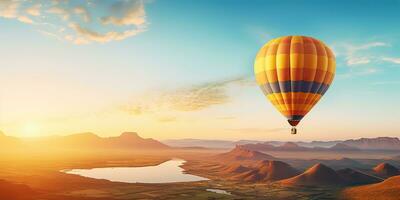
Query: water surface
166	172
219	191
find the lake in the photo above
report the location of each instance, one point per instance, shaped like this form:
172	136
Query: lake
166	172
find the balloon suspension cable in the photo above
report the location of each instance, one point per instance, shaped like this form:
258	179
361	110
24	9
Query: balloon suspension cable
294	130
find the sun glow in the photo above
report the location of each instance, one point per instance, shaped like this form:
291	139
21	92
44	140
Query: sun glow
31	129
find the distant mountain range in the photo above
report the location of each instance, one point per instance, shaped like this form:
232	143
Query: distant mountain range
127	140
217	144
133	140
292	146
379	143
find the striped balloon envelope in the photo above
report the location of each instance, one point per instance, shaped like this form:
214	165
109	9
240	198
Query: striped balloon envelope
294	72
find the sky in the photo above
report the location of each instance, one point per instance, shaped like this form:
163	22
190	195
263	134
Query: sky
184	69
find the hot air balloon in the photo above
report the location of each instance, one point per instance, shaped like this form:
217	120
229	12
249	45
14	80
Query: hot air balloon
294	72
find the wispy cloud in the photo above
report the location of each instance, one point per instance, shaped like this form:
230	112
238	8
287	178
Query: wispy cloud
83	12
25	19
9	8
392	60
79	23
358	54
358	72
386	83
131	13
34	10
187	99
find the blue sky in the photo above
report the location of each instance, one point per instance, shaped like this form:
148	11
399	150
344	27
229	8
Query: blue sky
180	69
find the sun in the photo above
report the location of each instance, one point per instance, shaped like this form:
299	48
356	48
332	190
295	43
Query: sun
31	129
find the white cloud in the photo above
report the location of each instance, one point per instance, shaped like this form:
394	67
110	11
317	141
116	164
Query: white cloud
188	99
9	8
386	83
25	19
61	12
83	12
354	72
132	13
392	60
78	23
91	35
46	33
358	60
34	10
358	54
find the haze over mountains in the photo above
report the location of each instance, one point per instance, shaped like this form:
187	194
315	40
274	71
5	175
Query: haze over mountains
379	143
386	170
127	140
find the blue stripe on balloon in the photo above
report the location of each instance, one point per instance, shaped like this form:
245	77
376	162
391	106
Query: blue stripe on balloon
295	117
294	86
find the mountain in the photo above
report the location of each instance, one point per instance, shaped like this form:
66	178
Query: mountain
379	143
338	163
353	177
318	174
386	190
323	144
127	140
275	170
259	146
291	146
343	147
386	170
240	153
263	170
234	169
132	139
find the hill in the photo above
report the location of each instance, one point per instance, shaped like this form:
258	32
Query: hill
386	170
263	170
240	153
275	170
386	190
354	177
318	174
234	169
